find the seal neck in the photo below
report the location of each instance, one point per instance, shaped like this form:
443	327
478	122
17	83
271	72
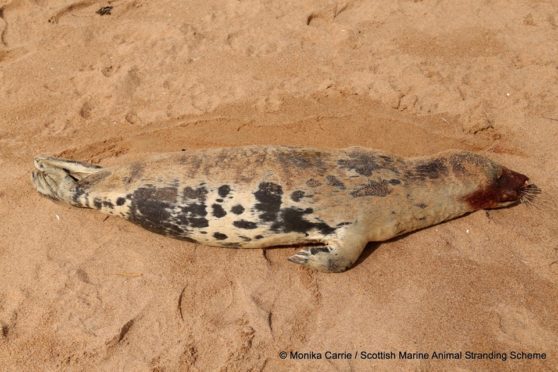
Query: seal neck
424	207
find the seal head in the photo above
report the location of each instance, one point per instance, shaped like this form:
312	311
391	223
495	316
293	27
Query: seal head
505	189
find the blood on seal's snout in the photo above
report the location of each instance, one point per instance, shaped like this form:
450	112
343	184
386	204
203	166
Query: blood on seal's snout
503	191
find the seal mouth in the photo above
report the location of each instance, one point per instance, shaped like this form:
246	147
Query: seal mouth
510	188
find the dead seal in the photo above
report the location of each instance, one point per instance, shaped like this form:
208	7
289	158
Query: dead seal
331	201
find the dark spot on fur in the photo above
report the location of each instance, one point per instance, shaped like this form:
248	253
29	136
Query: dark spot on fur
151	208
78	193
315	250
97	203
231	245
218	211
303	159
365	163
258	237
373	188
287	219
193	215
456	165
220	236
343	224
237	209
269	200
83	185
313	183
195	209
203	232
431	169
200	193
136	171
219	200
198	222
224	190
394	181
120	201
460	159
335	182
297	195
334	266
243	224
292	220
245	238
192	164
165	195
108	204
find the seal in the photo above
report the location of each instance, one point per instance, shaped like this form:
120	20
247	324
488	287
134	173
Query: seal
332	202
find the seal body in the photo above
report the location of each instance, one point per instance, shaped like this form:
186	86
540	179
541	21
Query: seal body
331	201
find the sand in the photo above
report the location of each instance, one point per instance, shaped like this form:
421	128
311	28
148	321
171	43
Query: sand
80	291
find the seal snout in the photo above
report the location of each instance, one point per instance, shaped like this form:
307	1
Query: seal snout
509	186
515	187
508	189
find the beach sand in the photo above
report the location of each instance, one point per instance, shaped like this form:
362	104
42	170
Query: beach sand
80	291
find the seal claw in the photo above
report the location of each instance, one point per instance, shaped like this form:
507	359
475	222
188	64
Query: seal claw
299	258
302	256
322	258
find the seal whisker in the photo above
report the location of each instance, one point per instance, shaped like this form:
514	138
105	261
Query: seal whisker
528	194
541	202
531	189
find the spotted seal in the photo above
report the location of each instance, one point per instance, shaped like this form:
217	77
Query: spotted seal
332	202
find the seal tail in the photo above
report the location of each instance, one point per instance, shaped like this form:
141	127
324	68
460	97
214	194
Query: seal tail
57	178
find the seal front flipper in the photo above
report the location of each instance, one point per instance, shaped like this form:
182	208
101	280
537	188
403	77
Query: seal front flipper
335	257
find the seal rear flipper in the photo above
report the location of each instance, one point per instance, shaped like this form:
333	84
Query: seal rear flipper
58	178
332	258
75	169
